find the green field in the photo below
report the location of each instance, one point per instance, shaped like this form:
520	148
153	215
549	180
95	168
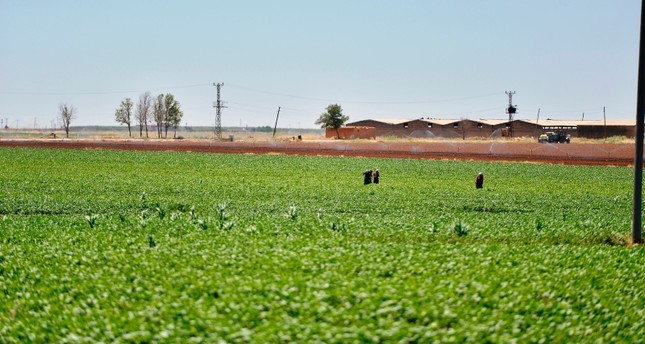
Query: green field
141	247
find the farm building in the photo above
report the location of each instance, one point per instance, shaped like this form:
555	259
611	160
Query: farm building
483	128
352	132
591	129
420	128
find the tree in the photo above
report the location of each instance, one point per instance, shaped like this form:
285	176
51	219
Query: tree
67	114
159	112
143	111
173	114
167	113
167	102
332	118
123	114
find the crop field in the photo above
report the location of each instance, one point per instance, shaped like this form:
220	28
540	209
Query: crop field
142	247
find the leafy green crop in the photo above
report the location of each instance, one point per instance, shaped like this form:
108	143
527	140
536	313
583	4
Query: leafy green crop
138	247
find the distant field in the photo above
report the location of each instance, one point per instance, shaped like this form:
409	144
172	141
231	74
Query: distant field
248	134
189	133
132	246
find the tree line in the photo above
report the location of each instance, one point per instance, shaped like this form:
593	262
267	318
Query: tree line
164	111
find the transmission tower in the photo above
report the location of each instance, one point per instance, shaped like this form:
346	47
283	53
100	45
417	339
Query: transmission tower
510	110
218	112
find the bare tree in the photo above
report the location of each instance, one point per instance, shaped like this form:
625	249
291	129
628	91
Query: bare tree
123	114
143	111
67	114
159	112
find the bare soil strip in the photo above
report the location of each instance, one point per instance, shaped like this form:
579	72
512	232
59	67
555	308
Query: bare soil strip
620	154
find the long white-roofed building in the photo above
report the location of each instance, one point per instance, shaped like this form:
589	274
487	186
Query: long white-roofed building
485	128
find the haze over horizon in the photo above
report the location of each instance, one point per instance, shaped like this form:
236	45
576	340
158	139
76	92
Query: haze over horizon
377	59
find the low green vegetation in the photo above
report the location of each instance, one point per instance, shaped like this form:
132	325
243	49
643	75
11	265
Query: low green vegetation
118	246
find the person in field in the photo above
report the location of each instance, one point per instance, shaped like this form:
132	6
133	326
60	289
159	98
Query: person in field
376	176
367	177
479	180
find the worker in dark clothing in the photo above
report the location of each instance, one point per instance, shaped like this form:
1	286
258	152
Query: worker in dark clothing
376	175
367	177
479	180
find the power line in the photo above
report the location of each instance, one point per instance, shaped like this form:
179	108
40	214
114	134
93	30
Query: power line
362	102
91	92
255	108
241	105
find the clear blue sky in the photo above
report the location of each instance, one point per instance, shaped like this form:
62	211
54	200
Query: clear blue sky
377	59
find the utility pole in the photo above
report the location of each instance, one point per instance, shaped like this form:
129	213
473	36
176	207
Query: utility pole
640	130
276	121
604	117
537	123
510	110
218	112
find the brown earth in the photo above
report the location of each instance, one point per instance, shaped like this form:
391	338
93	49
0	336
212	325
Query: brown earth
617	154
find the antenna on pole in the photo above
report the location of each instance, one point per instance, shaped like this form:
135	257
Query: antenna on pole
510	110
218	111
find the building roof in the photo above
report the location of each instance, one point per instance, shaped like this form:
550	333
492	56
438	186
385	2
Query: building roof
395	121
386	120
491	121
494	122
576	123
442	121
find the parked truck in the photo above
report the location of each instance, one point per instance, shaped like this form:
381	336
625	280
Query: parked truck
555	137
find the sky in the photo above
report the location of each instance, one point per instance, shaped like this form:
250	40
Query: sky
403	59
